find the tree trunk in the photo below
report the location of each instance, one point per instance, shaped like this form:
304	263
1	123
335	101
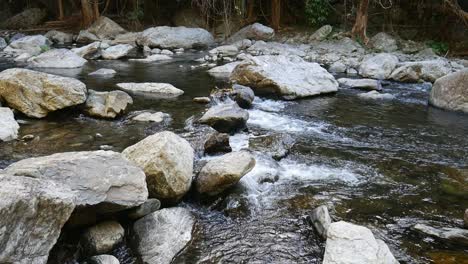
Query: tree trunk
60	9
275	14
96	14
251	15
360	26
87	13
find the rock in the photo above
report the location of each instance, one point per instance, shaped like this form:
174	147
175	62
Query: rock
383	42
3	43
379	66
164	90
427	53
337	67
167	52
90	51
275	48
116	52
59	37
367	84
28	44
86	37
126	38
374	95
107	104
255	31
153	58
224	71
37	209
157	117
102	237
175	37
242	44
202	100
217	143
322	33
421	71
243	96
163	234
226	50
104	259
451	92
465	218
225	118
8	125
167	160
23	57
148	207
57	58
321	220
411	47
17	36
454	235
288	76
275	145
35	94
28	18
223	172
103	179
348	243
105	28
103	72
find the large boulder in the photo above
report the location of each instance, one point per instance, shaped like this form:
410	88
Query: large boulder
255	31
164	90
34	212
352	244
102	237
167	160
451	92
105	28
36	94
28	18
175	37
8	125
421	71
33	45
224	172
162	235
59	37
288	76
107	104
57	58
95	178
116	52
225	118
383	42
379	66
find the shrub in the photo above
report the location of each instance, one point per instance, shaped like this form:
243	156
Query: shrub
317	11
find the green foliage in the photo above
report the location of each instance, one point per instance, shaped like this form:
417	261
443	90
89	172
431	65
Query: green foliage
317	11
44	48
440	48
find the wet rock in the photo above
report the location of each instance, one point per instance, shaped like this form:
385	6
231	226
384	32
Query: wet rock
276	146
3	43
105	28
383	42
322	33
107	104
175	37
368	84
454	235
37	210
148	207
202	100
379	66
224	71
36	94
86	37
104	259
157	117
337	67
129	38
223	172
349	243
255	31
57	58
421	71
28	44
99	179
167	160
288	76
225	118
321	220
163	234
26	19
243	95
374	95
103	72
217	143
451	92
59	37
155	89
8	125
90	51
226	50
102	237
153	58
116	52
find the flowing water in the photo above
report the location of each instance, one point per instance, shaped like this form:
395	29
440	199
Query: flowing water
386	165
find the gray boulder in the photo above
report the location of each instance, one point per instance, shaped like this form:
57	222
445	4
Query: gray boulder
379	66
175	37
226	50
36	94
148	207
321	220
163	90
126	38
322	33
421	71
383	42
59	37
255	31
217	143
26	19
454	235
107	104
84	36
3	43
225	118
367	84
167	161
104	259
57	58
162	235
33	45
451	92
90	51
105	28
338	67
116	52
8	125
243	95
275	145
102	237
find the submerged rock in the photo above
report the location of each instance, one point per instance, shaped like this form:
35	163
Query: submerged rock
59	37
275	145
321	220
368	84
36	94
451	92
383	42
167	160
105	28
348	243
34	212
162	235
103	72
379	66
217	143
255	31
164	90
226	118
148	207
57	58
116	52
421	71
104	259
102	237
223	172
107	104
454	235
288	76
374	95
8	125
175	37
33	45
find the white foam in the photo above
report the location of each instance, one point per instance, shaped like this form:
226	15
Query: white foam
239	141
269	105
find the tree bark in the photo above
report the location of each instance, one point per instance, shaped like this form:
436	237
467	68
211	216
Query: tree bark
275	14
87	13
251	16
360	26
60	9
96	14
